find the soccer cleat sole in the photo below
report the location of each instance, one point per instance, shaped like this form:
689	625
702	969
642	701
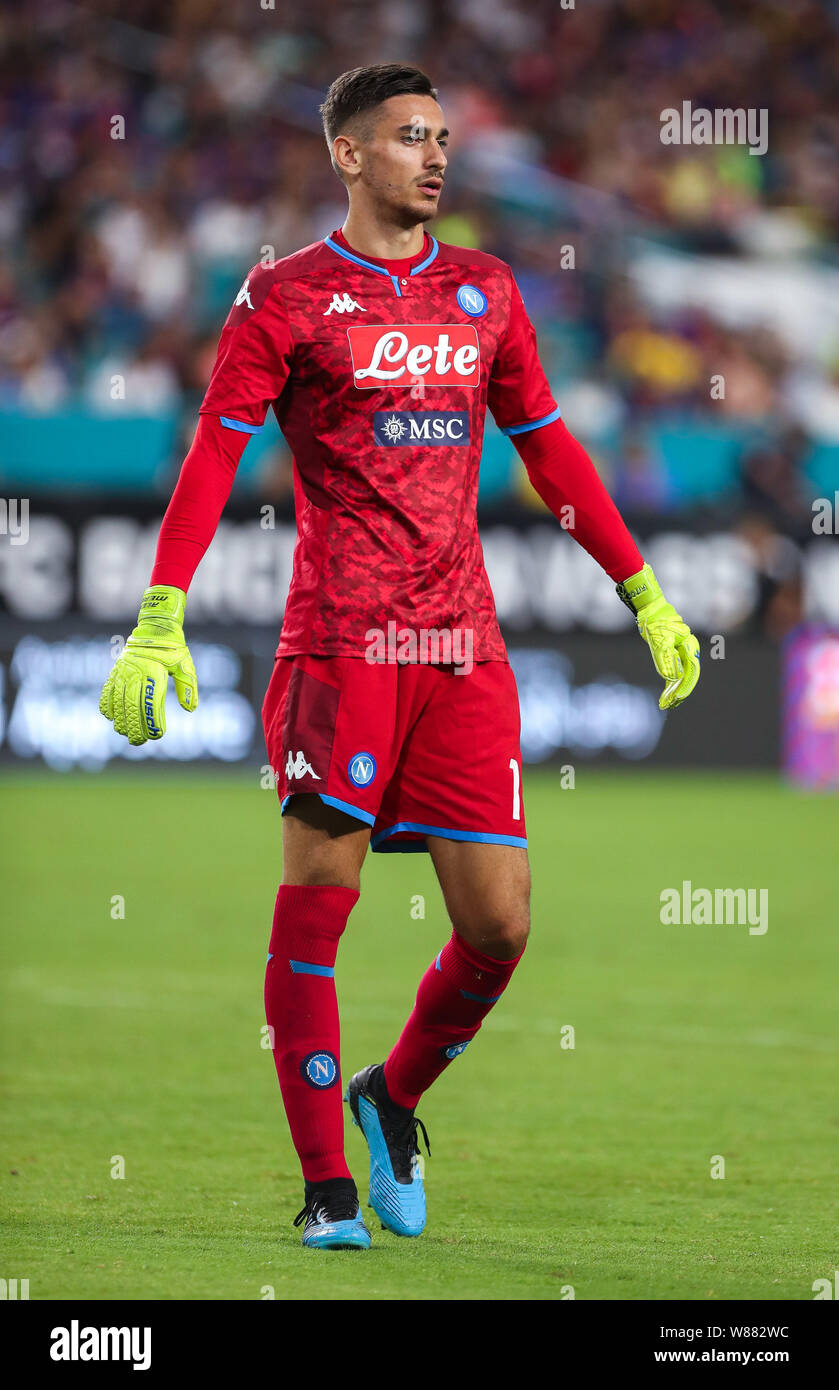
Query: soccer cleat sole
339	1235
399	1207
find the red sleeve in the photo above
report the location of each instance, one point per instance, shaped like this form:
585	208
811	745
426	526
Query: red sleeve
254	356
252	366
564	476
198	501
519	395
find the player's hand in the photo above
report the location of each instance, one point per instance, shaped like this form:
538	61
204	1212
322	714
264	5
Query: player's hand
134	694
674	648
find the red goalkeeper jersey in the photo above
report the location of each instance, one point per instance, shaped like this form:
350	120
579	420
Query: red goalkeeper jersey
379	374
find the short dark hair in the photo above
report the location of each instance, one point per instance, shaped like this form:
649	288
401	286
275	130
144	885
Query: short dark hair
360	90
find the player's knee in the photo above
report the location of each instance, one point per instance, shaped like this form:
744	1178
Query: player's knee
509	938
502	934
325	876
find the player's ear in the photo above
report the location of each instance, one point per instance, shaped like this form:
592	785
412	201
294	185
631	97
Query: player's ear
346	154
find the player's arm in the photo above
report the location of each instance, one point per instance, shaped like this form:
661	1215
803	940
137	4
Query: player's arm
565	477
251	369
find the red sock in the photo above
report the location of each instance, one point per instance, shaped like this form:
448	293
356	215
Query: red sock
302	1011
455	995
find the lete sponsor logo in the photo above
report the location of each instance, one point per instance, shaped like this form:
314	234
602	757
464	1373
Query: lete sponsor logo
445	354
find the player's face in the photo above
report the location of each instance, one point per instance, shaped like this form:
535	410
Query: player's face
403	165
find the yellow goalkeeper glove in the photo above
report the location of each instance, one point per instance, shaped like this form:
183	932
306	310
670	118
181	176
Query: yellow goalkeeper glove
133	696
674	648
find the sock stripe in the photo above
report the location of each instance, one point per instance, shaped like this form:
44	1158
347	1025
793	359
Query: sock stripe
481	998
307	967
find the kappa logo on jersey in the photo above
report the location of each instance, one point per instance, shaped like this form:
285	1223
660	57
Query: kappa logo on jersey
244	295
361	769
342	304
298	767
407	427
438	354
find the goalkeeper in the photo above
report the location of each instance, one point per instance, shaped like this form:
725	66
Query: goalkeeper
372	753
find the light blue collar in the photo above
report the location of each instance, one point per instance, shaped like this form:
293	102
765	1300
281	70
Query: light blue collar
380	269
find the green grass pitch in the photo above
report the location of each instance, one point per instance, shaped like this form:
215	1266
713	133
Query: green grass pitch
552	1168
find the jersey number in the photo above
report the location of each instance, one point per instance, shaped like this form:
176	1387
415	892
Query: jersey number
514	768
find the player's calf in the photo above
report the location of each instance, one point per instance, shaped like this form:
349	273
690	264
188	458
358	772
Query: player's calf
301	1010
455	995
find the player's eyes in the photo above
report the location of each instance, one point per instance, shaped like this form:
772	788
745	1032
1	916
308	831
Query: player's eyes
419	139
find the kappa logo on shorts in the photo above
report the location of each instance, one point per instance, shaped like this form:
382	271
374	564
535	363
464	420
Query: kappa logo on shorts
361	769
320	1069
298	767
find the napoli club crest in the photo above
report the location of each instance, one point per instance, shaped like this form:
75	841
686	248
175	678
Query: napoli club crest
472	301
320	1069
361	769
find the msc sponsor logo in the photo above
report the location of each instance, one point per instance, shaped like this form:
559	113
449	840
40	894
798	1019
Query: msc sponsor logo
319	1069
406	427
361	769
447	354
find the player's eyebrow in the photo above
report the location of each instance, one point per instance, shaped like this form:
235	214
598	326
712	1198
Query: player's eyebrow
414	126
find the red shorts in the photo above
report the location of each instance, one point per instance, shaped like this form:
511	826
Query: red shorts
411	750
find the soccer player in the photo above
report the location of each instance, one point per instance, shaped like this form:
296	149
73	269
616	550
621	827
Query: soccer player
391	717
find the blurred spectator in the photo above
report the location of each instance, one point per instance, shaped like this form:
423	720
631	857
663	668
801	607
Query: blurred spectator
773	483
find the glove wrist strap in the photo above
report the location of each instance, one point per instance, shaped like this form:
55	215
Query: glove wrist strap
163	601
640	590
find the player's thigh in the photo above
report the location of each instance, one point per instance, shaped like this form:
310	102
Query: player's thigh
312	709
322	845
487	893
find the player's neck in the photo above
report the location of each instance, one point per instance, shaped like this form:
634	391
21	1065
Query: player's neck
368	236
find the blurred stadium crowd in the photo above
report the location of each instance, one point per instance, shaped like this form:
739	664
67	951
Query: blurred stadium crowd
123	255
